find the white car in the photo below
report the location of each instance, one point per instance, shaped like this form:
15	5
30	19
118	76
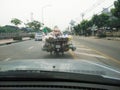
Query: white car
38	36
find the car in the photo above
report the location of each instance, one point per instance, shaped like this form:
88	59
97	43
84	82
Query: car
38	36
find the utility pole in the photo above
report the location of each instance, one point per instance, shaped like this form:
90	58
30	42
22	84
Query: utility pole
31	16
43	9
82	15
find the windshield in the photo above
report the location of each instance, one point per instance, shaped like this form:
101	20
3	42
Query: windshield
78	36
38	33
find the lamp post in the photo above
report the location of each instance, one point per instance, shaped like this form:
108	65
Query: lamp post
43	8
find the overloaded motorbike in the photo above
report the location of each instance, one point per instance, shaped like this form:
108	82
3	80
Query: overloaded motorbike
58	45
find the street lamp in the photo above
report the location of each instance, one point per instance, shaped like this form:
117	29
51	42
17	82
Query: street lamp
43	8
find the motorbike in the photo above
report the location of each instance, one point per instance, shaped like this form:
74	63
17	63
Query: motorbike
58	45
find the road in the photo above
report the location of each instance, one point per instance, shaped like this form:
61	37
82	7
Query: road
26	50
110	48
97	51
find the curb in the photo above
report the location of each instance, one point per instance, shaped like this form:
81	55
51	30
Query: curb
7	43
105	38
117	39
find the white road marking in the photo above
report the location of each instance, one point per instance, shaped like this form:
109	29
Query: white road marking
101	66
7	59
31	47
92	55
85	49
77	45
40	43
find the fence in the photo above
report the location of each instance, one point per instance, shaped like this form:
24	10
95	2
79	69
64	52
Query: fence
113	34
11	35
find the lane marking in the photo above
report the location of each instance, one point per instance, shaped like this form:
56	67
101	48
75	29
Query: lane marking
92	55
101	66
72	54
107	56
85	49
30	47
79	45
7	59
111	58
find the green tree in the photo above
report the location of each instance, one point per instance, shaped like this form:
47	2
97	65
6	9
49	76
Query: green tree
89	23
100	20
104	19
84	25
9	29
16	21
77	29
35	25
115	22
116	11
95	20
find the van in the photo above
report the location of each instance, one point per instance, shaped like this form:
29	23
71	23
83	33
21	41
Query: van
38	36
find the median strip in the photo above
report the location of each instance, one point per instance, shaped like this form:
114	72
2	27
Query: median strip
10	41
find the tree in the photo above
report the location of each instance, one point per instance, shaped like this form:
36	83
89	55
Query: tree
89	23
16	21
84	25
77	29
104	19
95	20
35	25
8	29
100	20
116	11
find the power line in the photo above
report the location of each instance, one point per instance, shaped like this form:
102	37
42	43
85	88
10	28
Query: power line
102	10
94	6
106	8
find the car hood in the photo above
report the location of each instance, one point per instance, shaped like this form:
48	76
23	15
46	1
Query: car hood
61	65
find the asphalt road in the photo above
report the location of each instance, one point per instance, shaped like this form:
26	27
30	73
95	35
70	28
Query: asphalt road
31	49
110	48
27	50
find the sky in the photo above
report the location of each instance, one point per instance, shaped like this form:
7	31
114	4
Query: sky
50	12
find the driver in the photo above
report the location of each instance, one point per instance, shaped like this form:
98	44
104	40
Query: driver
56	31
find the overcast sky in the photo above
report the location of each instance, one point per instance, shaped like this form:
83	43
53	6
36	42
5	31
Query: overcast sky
56	12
